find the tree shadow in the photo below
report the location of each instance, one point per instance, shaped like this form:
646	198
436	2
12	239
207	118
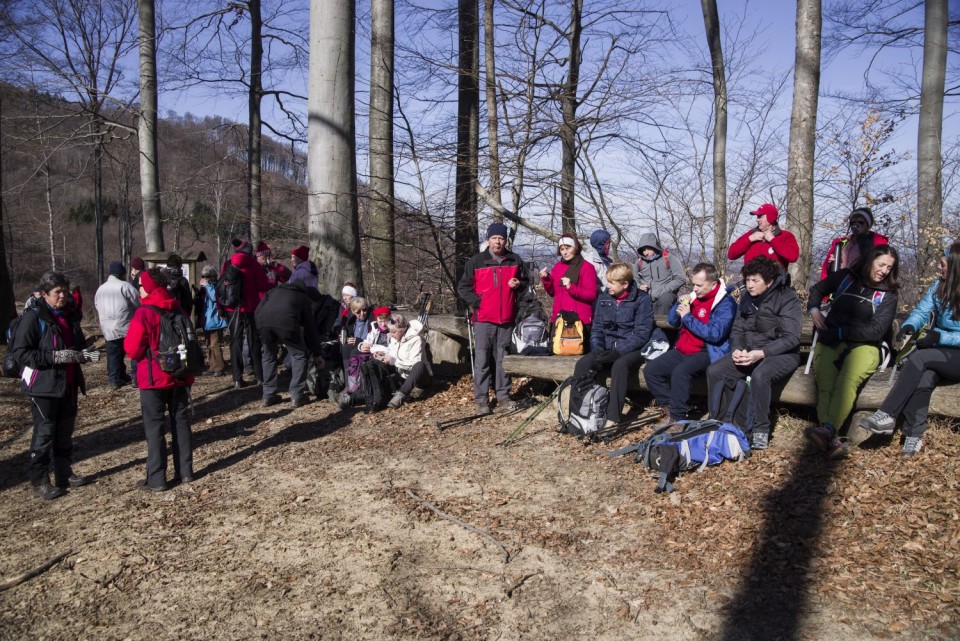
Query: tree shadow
774	594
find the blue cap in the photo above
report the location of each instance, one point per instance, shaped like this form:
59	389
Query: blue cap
497	229
116	269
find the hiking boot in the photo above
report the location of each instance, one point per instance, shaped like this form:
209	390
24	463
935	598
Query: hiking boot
142	485
483	409
267	401
397	400
879	423
505	408
344	400
75	480
912	445
47	492
759	440
838	449
820	435
299	401
116	387
417	393
240	384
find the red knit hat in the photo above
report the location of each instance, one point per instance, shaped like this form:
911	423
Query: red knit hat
263	248
302	252
381	311
137	263
149	285
768	210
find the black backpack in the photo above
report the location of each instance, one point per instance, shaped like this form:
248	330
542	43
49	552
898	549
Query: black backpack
179	288
178	353
378	383
229	288
11	368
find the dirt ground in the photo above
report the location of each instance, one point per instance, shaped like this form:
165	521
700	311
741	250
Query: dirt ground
314	523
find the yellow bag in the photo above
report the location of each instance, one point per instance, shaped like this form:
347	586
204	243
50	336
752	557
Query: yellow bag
568	335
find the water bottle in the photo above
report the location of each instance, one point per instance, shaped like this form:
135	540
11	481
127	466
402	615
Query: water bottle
182	352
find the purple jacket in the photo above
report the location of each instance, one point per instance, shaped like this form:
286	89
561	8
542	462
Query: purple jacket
306	273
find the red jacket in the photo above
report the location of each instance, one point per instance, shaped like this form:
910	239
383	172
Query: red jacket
579	297
825	271
144	333
783	248
484	286
255	282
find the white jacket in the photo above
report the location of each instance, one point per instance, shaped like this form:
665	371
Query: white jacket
410	349
116	300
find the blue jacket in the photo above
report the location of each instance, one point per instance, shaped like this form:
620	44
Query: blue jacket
212	320
306	273
944	321
626	325
716	331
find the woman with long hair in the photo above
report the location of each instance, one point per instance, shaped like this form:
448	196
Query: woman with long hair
937	357
864	302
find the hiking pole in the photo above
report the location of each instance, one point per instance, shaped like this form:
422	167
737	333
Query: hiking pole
616	431
813	346
473	370
515	434
425	308
518	407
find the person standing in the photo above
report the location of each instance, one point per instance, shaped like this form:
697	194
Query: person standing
160	393
178	284
241	318
304	270
847	250
766	239
659	274
116	301
598	255
489	286
48	348
276	272
286	318
136	268
213	322
572	284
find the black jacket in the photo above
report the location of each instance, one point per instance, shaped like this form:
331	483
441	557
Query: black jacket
286	309
859	313
770	322
625	327
34	348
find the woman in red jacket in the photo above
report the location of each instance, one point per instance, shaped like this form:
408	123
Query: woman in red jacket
160	393
572	283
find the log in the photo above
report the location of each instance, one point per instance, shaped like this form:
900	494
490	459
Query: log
800	390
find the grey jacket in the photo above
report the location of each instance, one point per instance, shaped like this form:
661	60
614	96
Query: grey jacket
116	300
663	278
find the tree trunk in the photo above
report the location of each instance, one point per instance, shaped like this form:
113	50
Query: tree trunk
568	125
48	199
382	279
331	160
98	193
493	122
468	134
711	21
254	129
8	307
803	130
929	138
147	129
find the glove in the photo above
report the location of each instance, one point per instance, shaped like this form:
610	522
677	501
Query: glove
606	356
930	339
65	356
905	331
90	356
830	337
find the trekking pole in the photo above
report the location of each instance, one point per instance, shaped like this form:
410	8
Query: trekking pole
425	308
515	434
813	346
616	431
519	407
473	370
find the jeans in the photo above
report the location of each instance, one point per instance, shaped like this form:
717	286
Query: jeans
243	326
116	368
670	377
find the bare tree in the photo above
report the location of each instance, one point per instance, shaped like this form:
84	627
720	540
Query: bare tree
803	131
331	164
147	127
711	22
490	91
468	132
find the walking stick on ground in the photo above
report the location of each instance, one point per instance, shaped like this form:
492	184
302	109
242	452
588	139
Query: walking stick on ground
473	370
515	434
813	346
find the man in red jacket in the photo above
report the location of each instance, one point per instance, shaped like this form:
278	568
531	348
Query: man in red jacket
276	273
766	239
160	393
847	250
242	323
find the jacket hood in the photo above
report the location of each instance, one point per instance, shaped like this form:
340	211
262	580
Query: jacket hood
415	328
161	298
649	240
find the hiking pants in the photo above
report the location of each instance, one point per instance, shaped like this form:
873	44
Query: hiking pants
116	368
662	305
763	376
243	326
919	376
417	376
299	358
490	344
155	404
840	371
670	377
619	377
53	423
214	351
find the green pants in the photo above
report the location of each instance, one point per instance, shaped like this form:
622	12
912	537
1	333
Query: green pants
837	388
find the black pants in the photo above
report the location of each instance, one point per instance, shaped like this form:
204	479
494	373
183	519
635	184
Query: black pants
911	393
53	423
670	378
116	368
297	354
243	326
417	376
155	404
619	377
763	376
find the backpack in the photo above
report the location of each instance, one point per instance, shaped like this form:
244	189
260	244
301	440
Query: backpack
729	401
178	352
11	367
569	336
354	373
179	288
531	332
697	445
229	287
582	404
378	382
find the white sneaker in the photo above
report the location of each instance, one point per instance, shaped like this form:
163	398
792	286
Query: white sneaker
912	445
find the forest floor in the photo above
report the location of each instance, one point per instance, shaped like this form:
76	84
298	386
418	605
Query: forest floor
316	523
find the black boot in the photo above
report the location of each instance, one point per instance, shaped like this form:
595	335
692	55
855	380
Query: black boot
46	491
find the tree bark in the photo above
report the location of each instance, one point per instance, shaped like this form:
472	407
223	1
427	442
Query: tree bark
711	22
147	128
568	125
803	130
255	125
382	278
8	307
493	122
929	138
466	237
331	160
98	192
